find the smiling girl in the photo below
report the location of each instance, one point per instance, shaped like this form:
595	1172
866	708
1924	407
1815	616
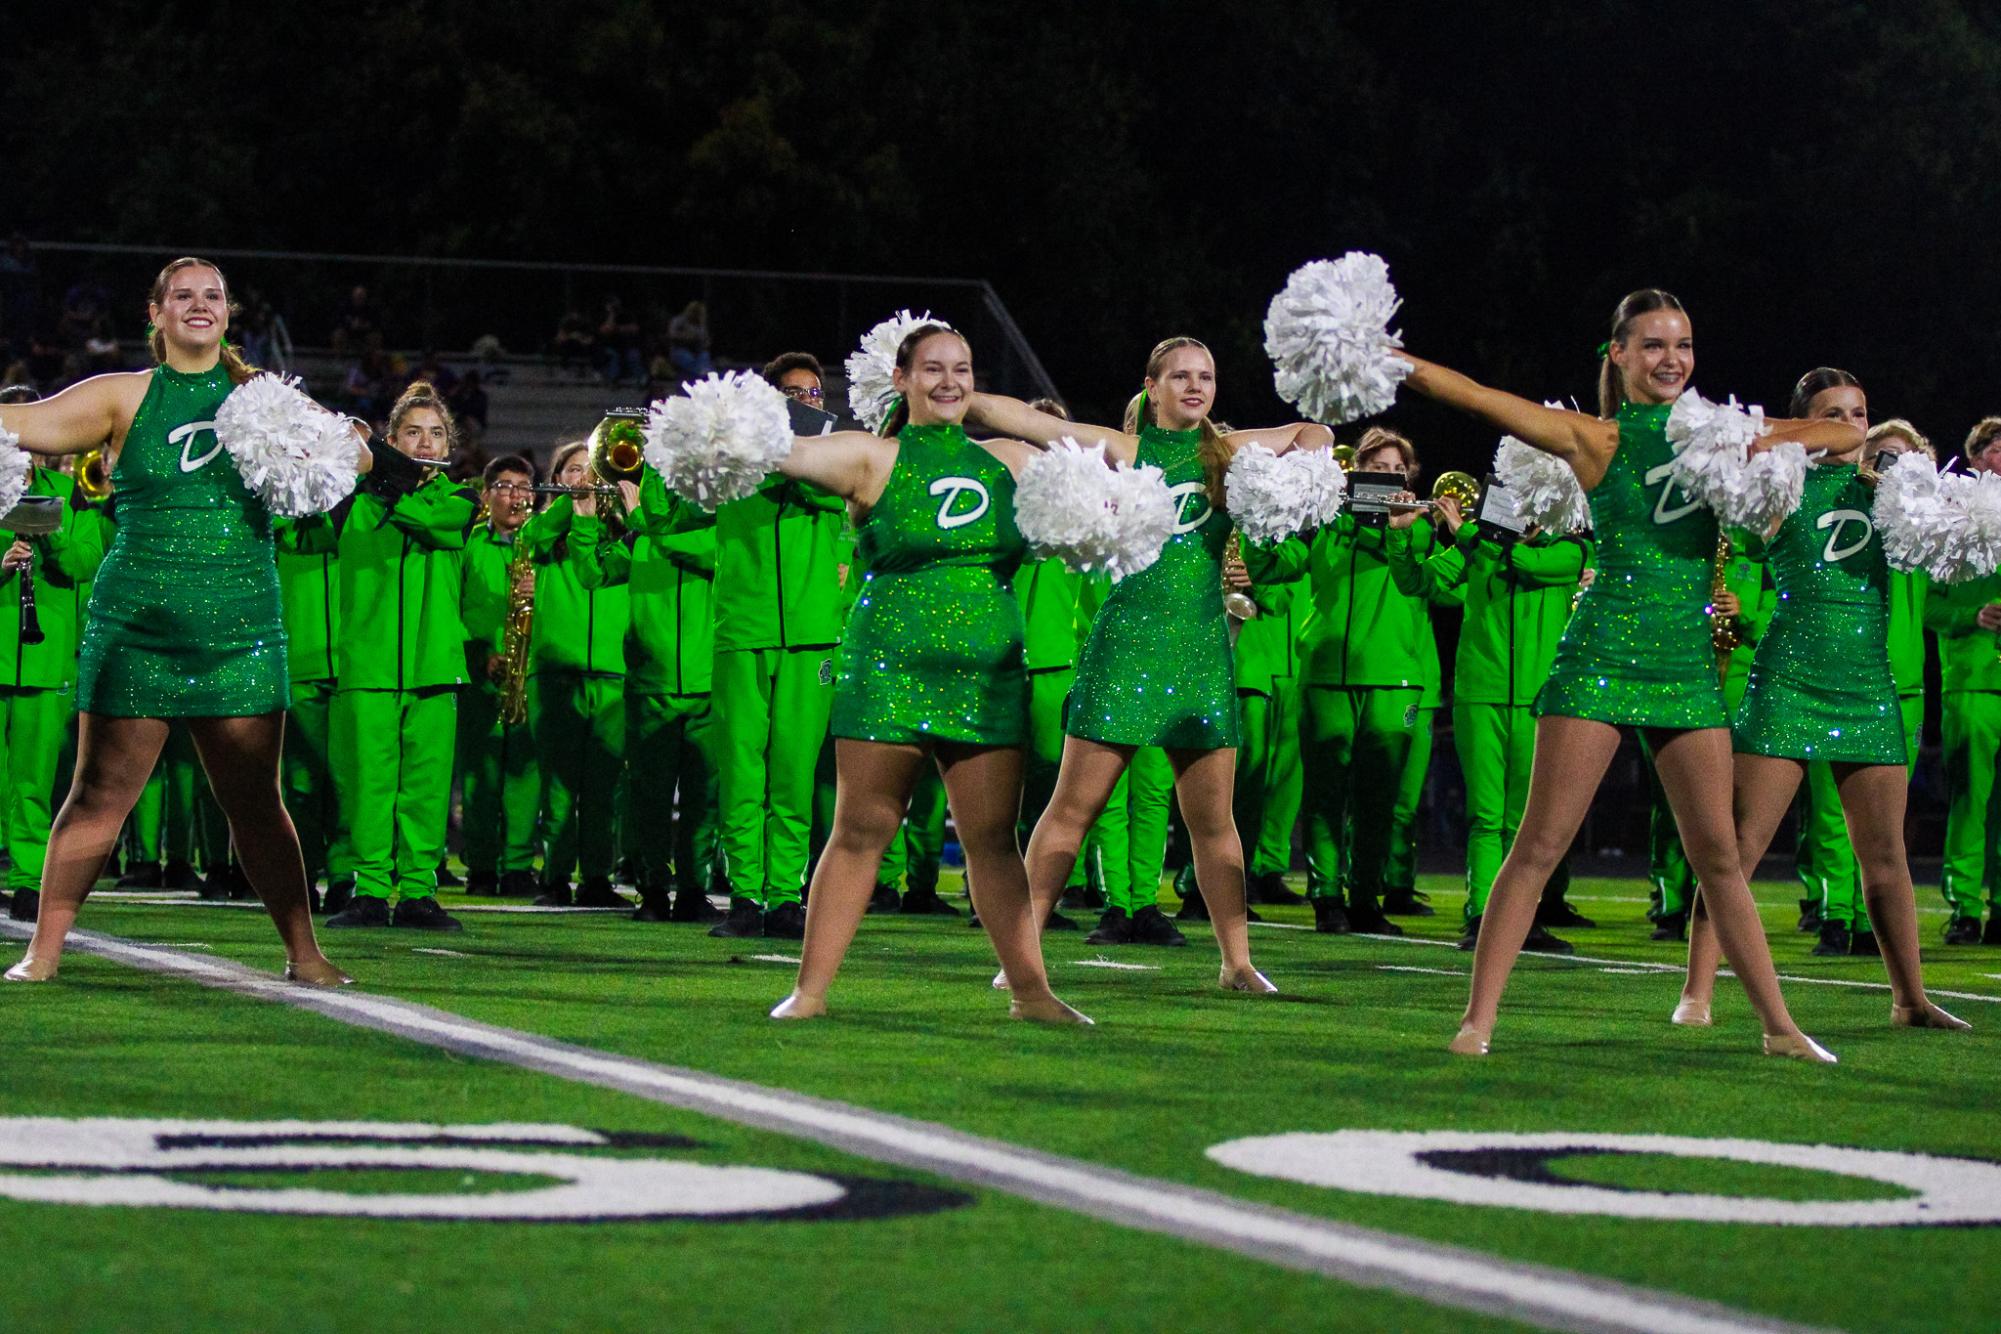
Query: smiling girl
183	623
1636	654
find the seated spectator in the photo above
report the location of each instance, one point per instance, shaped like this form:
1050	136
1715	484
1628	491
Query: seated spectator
688	342
574	344
364	391
100	350
618	344
468	404
85	305
436	373
358	325
261	329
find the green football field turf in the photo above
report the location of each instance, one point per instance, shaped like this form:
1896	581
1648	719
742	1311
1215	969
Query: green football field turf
1356	1042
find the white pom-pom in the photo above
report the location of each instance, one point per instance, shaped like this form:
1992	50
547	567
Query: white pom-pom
1713	462
1068	504
719	438
871	391
14	470
294	455
1272	496
1329	339
1971	548
1912	514
1545	488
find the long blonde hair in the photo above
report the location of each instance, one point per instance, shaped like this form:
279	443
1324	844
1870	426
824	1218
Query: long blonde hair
1214	450
232	358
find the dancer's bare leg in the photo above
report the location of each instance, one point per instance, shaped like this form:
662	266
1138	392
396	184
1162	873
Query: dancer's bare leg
1872	803
1763	786
114	758
983	784
240	756
1571	756
1084	783
1695	772
1204	782
871	793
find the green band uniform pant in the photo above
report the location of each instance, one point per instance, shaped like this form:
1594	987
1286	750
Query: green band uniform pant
392	762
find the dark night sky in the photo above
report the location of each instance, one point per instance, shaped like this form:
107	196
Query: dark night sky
1816	181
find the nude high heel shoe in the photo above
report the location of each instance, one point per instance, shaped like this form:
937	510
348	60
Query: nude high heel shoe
32	969
1692	1014
1469	1042
800	1006
317	973
1047	1010
1246	979
1927	1015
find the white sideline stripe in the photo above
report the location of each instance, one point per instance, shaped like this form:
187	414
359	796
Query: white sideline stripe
1645	966
1447	1276
1413	968
773	958
1102	962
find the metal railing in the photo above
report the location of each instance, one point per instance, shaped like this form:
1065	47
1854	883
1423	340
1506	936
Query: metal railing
427	303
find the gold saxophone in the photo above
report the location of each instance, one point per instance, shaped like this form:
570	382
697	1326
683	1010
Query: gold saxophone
1723	636
514	639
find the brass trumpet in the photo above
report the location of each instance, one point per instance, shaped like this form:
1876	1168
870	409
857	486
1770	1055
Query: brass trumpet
93	478
618	446
1462	487
1344	457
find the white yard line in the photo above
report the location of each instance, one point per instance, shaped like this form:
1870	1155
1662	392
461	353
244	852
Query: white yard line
1447	1276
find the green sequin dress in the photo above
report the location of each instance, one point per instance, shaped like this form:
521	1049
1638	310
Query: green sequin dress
184	618
1637	652
1157	670
1820	686
933	650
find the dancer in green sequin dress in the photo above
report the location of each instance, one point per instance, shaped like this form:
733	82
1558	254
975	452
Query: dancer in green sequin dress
1637	653
183	622
1157	670
931	666
1821	689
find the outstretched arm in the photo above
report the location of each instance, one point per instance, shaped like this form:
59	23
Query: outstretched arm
81	417
1816	433
854	465
1280	439
1585	442
1011	416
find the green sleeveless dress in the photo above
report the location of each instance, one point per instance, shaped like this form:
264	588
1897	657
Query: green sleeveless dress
1637	652
184	619
1820	686
1157	670
933	650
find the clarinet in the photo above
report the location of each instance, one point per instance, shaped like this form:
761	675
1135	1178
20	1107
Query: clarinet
31	625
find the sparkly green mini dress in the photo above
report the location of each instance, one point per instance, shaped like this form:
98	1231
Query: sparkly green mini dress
933	650
1157	670
1637	652
184	618
1820	686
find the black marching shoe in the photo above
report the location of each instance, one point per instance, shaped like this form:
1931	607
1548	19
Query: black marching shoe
1194	908
1561	913
1540	941
885	899
447	878
340	893
654	906
1365	918
180	876
1834	941
1863	943
1993	936
27	905
1810	919
1330	917
745	919
926	903
1469	935
596	892
1151	927
481	884
1082	898
554	896
519	885
215	887
1114	928
786	922
365	910
1058	922
424	914
1271	888
692	905
143	875
1963	931
1671	926
1407	903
